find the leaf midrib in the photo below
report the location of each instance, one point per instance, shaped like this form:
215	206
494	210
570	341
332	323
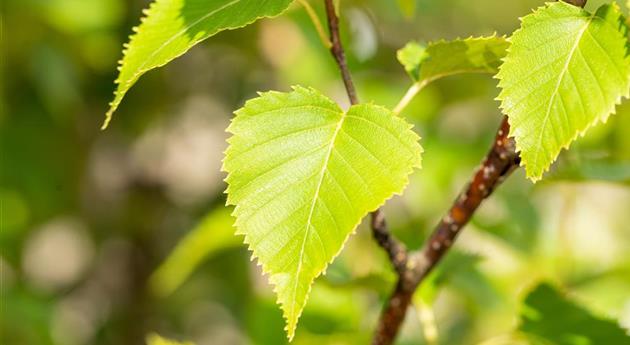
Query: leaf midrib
184	30
565	68
314	202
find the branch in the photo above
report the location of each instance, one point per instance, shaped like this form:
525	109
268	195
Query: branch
318	25
395	250
500	161
338	52
498	164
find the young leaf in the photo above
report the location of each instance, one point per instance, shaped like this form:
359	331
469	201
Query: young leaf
444	58
411	56
171	27
549	316
302	173
566	69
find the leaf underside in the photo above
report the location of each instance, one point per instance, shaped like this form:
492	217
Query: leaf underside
565	71
444	58
303	173
171	27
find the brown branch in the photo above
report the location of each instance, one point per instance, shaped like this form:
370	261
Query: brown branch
395	250
500	161
338	52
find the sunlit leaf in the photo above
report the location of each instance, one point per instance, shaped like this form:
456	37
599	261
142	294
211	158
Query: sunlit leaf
303	173
548	315
411	56
171	27
445	58
214	233
565	71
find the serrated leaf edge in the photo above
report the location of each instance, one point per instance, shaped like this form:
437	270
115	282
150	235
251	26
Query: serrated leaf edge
254	256
118	95
424	82
580	133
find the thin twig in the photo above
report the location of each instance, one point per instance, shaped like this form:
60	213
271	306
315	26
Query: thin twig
338	52
318	24
408	97
395	249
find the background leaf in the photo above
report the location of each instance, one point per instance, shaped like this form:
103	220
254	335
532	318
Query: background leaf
302	174
565	71
444	58
214	233
407	8
548	315
155	339
171	27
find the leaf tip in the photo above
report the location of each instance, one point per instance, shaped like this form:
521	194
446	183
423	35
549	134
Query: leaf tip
108	117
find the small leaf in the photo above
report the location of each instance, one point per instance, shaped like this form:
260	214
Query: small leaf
412	56
445	58
549	316
565	71
171	27
303	173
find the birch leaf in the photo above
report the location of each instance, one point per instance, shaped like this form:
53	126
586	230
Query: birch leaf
171	27
445	58
303	173
565	71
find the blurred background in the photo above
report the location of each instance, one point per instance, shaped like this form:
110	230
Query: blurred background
107	236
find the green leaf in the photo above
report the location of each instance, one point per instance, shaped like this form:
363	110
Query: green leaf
411	56
445	58
548	315
214	233
303	173
171	27
565	71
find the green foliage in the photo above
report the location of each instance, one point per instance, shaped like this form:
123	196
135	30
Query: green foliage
171	27
444	58
411	56
566	69
303	173
547	315
155	339
131	190
214	233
